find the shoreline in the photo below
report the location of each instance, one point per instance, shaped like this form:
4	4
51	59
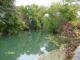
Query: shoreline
57	54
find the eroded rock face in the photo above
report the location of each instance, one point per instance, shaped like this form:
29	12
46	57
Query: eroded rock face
77	54
53	55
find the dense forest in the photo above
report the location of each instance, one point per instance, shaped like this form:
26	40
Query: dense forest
14	18
60	18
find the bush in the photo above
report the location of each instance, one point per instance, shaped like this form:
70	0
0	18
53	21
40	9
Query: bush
76	24
19	25
72	40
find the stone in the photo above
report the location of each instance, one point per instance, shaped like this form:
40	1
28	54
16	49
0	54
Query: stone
57	54
77	54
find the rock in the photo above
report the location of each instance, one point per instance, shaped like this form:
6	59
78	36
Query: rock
77	54
53	55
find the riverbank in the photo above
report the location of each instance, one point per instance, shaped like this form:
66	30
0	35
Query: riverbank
57	54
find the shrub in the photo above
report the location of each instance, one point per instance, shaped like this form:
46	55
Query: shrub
72	40
76	24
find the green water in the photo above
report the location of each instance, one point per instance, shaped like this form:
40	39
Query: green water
25	45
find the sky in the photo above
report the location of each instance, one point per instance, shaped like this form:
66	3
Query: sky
38	2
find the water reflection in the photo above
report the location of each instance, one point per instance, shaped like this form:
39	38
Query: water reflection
26	45
27	57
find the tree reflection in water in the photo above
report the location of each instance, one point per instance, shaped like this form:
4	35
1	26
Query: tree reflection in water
29	44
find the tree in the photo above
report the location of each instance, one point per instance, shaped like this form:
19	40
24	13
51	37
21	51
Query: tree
9	22
53	20
57	12
68	11
34	12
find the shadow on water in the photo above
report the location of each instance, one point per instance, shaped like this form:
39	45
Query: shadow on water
25	45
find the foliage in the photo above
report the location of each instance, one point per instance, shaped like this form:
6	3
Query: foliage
50	17
9	17
58	12
76	24
35	12
57	40
69	39
68	11
72	40
53	20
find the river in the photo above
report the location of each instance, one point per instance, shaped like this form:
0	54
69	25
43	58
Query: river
25	45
